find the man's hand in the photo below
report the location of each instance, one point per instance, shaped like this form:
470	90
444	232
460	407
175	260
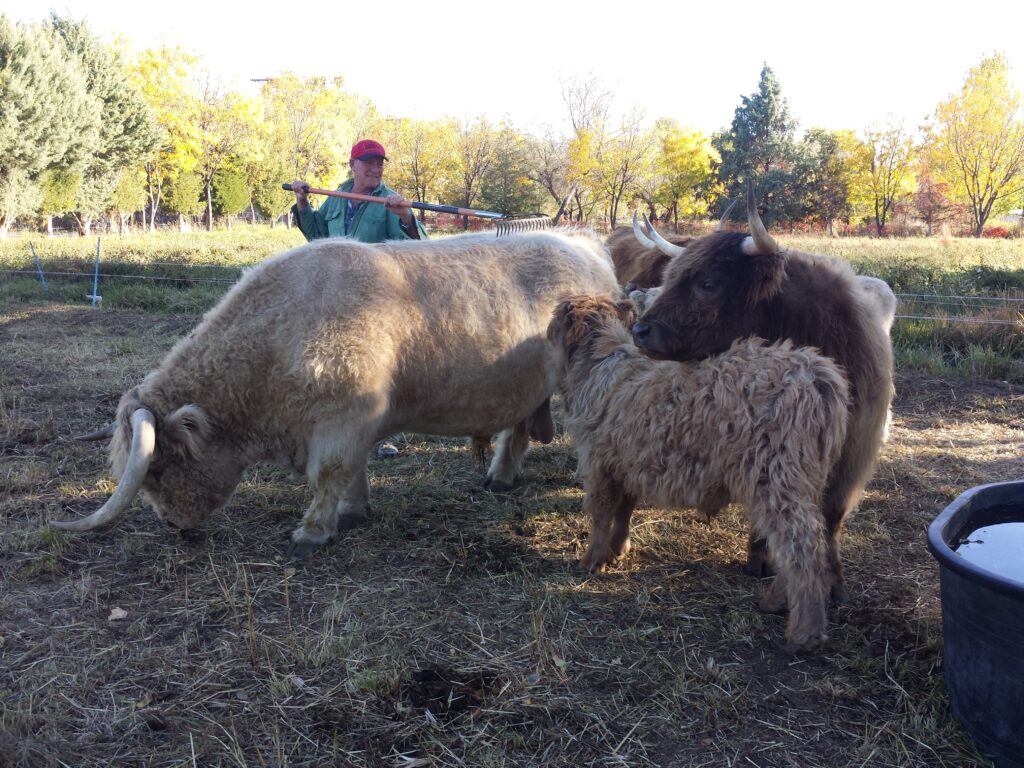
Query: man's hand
400	206
301	190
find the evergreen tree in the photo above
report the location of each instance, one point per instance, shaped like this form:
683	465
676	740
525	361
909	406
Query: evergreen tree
60	188
184	196
506	185
230	193
127	133
760	146
47	117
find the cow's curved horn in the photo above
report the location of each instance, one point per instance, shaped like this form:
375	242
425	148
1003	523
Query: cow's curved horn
763	243
663	245
100	434
143	447
641	238
725	216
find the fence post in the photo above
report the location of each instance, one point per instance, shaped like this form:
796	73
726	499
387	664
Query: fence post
39	266
96	277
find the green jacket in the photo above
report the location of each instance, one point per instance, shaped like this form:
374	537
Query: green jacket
372	223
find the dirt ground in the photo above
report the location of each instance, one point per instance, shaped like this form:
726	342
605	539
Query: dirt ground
455	628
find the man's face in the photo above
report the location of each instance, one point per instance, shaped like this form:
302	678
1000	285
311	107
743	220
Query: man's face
367	173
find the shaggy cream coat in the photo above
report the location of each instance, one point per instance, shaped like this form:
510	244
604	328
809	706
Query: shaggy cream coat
760	424
320	351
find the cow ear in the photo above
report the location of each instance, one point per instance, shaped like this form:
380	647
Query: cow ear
558	320
575	325
767	272
186	429
568	326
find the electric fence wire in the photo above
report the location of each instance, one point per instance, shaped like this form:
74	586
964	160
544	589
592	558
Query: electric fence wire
109	276
913	299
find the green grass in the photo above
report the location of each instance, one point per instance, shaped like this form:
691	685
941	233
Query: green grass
182	273
187	273
987	275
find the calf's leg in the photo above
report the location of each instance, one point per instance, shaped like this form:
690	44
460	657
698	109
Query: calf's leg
610	509
758	559
795	535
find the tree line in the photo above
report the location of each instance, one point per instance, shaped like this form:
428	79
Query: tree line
88	131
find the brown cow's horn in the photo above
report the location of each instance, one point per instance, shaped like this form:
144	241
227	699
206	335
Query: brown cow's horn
725	216
762	242
100	434
641	238
669	249
143	447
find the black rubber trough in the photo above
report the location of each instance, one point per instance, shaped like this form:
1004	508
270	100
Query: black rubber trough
979	543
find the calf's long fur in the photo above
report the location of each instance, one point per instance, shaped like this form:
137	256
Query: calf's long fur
760	424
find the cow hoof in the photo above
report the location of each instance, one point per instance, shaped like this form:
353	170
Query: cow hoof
300	550
594	559
193	535
497	486
387	451
811	643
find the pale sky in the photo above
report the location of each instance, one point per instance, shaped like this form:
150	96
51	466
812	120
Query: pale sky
839	66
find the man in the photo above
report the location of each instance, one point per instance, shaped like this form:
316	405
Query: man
368	222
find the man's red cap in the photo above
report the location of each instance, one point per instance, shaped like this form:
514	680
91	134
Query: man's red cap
367	148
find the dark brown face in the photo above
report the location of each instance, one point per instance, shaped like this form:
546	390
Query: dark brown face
709	298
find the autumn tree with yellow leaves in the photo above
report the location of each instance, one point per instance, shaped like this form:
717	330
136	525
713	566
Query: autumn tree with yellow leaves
976	142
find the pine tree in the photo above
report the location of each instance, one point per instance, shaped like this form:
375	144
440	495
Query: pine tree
127	133
47	117
760	146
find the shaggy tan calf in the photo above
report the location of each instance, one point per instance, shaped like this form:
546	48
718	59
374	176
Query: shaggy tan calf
761	424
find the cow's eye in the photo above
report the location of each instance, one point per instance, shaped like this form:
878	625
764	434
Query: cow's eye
708	285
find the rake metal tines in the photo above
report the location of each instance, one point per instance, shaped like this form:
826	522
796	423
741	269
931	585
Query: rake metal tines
527	222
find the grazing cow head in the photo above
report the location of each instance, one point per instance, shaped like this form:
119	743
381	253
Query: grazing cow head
178	462
710	290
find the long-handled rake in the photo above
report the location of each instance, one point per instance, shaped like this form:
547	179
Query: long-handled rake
504	223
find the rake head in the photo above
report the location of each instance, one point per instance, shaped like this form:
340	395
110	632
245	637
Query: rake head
527	222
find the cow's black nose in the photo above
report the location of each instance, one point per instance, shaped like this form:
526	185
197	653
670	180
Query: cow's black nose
641	331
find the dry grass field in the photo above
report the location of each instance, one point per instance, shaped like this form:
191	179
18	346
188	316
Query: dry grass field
456	628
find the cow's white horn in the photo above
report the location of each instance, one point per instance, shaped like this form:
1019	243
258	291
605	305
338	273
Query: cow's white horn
641	238
725	216
102	433
669	249
143	447
764	244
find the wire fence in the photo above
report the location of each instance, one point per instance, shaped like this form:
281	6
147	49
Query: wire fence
921	307
118	275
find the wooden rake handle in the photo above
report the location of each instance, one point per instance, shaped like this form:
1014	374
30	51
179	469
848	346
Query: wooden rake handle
422	206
